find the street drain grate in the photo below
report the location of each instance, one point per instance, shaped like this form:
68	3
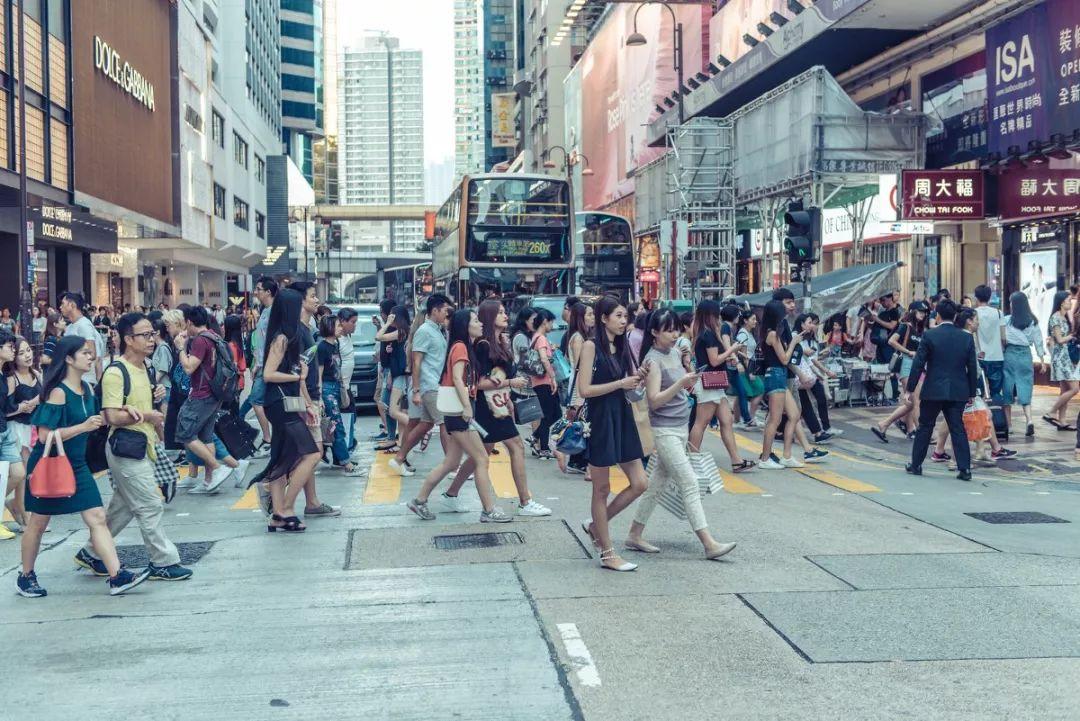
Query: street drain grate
137	557
1016	517
477	540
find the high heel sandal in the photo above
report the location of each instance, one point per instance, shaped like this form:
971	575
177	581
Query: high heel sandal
610	555
292	525
424	441
585	526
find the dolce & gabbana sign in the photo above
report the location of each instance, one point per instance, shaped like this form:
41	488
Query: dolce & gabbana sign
127	78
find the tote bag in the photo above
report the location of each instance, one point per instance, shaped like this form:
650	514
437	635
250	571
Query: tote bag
53	476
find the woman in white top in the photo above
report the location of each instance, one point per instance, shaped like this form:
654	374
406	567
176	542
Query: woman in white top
748	358
1020	334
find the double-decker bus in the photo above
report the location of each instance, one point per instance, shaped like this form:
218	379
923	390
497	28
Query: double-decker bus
504	235
605	255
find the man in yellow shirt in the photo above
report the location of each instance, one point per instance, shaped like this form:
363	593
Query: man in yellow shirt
127	402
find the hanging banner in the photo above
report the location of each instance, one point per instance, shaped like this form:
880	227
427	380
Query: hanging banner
503	128
1037	192
943	195
1033	75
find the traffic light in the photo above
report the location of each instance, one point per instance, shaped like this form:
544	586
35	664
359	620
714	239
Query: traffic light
803	236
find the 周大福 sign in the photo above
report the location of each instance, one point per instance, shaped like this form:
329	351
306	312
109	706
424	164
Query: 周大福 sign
1033	75
1038	192
942	195
130	80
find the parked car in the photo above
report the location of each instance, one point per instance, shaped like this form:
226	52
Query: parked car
365	350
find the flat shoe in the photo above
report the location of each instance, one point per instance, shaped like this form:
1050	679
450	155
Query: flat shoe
879	433
641	546
722	550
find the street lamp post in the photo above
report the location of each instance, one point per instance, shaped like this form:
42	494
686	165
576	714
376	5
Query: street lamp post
390	126
636	39
570	160
25	275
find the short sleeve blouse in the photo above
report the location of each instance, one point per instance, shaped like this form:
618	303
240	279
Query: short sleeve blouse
459	353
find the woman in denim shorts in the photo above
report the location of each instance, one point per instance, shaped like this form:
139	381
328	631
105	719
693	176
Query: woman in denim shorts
778	346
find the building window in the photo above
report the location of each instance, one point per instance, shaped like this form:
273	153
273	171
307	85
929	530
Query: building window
240	150
218	129
260	170
219	201
240	213
260	225
192	118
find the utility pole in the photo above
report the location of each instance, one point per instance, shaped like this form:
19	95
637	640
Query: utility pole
390	125
26	276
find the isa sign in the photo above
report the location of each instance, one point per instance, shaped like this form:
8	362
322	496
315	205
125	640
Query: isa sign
1033	75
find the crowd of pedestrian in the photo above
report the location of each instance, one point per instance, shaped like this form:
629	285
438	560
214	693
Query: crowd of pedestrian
143	392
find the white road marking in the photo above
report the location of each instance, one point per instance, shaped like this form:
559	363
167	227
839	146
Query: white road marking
766	495
1042	493
181	515
552	498
906	493
974	493
838	494
579	655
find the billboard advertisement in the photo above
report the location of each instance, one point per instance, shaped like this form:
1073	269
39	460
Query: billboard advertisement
1033	63
620	86
1038	281
736	18
943	195
503	128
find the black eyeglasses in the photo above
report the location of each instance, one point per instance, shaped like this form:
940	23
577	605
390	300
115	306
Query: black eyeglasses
147	335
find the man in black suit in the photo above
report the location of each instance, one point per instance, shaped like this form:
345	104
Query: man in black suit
947	354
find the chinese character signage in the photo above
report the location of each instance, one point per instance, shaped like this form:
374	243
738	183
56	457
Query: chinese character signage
1039	191
942	195
503	127
1033	75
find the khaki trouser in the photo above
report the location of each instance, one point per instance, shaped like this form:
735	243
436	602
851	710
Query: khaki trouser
669	447
136	496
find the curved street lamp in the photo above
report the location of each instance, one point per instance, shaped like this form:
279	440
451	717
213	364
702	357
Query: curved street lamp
636	39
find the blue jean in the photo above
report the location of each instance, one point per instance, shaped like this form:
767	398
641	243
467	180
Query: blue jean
220	452
740	392
331	396
255	395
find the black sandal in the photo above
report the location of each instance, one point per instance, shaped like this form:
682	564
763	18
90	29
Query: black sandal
744	466
292	525
1052	421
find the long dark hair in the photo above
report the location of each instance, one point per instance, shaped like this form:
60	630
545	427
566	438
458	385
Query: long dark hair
66	347
621	361
706	317
1021	316
459	333
661	320
497	350
402	321
521	323
774	315
10	367
233	330
1059	298
285	320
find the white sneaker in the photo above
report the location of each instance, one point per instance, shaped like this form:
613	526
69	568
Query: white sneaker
835	431
240	472
455	504
402	468
187	482
792	463
770	465
219	476
532	508
263	451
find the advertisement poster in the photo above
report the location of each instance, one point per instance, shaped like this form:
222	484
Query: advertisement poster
503	128
1033	75
1038	281
620	85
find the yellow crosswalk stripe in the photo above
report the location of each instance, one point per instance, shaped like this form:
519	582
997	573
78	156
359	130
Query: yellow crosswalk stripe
835	479
618	480
502	476
8	518
247	502
383	484
735	483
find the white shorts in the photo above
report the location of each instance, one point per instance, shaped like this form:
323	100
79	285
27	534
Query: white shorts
713	395
22	432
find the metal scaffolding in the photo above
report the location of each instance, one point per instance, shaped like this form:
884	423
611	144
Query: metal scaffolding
695	183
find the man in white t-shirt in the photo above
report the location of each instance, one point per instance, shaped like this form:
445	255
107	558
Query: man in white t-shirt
991	352
71	307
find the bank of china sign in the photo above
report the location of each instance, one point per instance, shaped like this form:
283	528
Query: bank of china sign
126	77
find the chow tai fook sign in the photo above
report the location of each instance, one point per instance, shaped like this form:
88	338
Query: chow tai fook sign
1038	192
943	195
1033	75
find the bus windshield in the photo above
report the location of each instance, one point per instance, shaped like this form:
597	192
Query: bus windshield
605	252
519	202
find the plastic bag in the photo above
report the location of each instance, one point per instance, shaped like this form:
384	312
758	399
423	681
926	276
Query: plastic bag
978	424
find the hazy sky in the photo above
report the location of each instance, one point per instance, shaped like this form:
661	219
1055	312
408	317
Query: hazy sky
427	25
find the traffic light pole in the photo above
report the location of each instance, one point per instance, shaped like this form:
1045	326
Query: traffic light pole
806	288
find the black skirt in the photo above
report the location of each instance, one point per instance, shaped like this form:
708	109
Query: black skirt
499	429
613	437
290	441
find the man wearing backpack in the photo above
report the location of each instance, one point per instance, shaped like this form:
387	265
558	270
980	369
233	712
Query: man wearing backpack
205	357
127	403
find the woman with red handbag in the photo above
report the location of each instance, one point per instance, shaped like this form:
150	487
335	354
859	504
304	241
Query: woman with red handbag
711	359
63	484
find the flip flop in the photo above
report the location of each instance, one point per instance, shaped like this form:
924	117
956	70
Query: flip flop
1067	428
879	433
1052	421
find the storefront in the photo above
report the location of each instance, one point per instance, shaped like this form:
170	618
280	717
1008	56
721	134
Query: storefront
648	267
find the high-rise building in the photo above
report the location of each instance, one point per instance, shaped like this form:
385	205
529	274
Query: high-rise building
324	150
469	127
381	138
498	63
544	66
302	58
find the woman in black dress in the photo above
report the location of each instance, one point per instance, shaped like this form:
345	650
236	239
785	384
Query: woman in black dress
496	374
293	452
605	373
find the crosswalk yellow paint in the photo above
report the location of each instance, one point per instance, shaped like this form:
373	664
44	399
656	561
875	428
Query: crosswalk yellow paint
7	518
835	479
383	484
502	476
736	483
247	502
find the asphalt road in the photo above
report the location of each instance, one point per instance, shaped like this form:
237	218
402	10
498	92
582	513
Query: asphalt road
856	592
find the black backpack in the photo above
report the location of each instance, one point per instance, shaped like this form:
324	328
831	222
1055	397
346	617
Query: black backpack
225	380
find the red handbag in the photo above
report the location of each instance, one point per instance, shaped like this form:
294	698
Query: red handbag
53	476
715	380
